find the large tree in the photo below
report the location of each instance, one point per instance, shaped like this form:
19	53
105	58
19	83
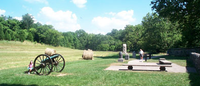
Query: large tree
133	37
83	38
187	13
159	33
27	21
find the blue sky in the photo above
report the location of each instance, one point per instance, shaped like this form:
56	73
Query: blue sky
93	16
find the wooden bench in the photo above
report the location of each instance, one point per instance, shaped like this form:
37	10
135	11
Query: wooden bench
162	66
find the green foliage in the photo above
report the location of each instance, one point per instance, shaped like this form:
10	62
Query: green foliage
83	38
30	37
186	12
133	37
7	36
103	47
27	21
159	33
1	32
112	48
21	35
155	34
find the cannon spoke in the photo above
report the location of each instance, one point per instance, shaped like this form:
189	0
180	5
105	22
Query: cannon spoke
40	70
59	59
43	64
49	67
39	61
59	63
55	68
58	67
40	58
45	70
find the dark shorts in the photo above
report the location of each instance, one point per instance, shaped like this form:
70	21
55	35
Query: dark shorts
141	55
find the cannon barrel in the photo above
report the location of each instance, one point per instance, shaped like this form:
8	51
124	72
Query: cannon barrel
51	57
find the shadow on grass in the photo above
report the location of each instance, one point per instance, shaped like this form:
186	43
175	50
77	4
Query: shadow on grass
16	85
193	77
115	56
167	57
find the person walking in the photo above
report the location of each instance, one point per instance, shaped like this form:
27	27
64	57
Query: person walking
141	54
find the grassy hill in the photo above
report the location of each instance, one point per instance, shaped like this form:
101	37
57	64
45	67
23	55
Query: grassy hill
15	56
18	54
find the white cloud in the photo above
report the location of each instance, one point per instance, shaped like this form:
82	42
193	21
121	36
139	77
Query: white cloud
111	13
25	7
61	20
79	3
40	1
18	18
2	12
116	21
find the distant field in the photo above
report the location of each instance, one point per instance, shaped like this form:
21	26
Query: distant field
18	54
15	56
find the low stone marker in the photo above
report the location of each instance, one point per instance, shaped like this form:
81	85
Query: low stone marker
134	54
126	56
120	57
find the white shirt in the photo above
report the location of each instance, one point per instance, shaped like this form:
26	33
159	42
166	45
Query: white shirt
141	52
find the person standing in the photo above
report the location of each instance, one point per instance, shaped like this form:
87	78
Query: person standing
141	54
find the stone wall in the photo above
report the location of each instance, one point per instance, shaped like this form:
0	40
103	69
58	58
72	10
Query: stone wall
195	59
182	51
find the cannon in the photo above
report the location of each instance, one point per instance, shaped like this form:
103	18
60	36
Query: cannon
44	64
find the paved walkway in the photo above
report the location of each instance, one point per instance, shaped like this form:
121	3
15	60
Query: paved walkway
175	68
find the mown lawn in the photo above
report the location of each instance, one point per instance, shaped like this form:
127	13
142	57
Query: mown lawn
79	72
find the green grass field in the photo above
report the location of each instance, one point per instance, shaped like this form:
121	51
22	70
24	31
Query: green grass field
15	56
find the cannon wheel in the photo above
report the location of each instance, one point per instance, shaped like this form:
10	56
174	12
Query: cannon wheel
58	63
43	64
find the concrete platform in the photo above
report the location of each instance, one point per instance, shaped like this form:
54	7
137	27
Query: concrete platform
175	68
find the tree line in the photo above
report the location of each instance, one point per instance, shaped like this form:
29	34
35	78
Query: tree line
156	33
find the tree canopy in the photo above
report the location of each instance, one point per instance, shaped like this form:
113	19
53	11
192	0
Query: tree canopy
155	34
187	13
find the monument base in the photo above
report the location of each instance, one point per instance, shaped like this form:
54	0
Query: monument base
120	60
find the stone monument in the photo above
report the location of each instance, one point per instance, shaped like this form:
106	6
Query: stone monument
124	48
126	56
120	57
134	54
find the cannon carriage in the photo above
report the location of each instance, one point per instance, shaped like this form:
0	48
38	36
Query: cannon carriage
45	64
